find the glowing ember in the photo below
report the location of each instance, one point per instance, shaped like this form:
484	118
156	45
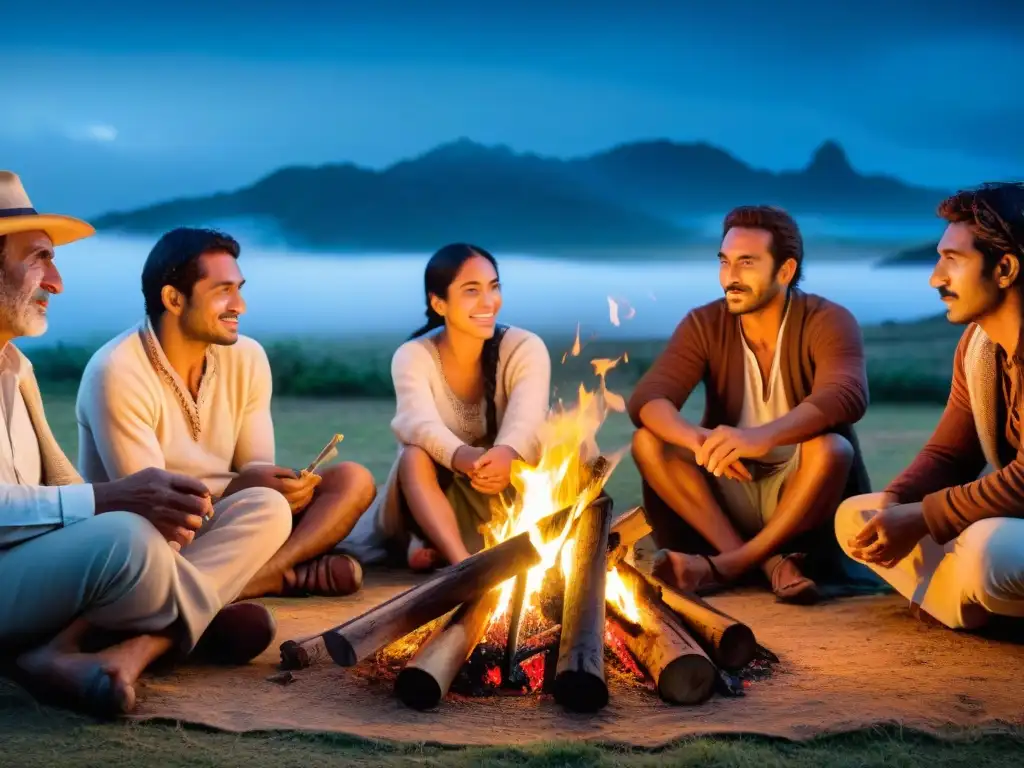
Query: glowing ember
613	640
493	677
534	669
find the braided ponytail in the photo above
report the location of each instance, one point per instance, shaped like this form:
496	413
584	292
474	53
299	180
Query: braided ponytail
489	364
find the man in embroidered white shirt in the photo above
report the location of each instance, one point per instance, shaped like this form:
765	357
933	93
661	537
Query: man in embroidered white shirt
184	391
100	580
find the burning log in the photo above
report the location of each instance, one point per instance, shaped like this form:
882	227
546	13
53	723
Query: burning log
427	677
357	638
514	623
730	642
552	595
538	643
299	654
681	669
627	529
580	683
593	474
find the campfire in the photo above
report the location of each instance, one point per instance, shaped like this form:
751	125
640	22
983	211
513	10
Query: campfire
551	594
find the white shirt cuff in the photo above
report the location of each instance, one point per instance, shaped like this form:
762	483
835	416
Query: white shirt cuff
77	503
254	463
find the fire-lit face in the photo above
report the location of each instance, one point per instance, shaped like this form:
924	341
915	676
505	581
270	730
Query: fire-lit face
473	300
747	270
28	278
967	290
210	314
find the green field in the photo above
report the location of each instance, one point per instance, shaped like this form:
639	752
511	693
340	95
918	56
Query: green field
44	737
890	435
906	363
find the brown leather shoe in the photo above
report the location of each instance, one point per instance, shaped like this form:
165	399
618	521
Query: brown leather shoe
237	635
800	590
327	575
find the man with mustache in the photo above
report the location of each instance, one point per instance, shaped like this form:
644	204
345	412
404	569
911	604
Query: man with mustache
101	579
755	485
949	541
184	391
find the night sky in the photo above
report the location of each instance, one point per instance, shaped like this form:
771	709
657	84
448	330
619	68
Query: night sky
108	105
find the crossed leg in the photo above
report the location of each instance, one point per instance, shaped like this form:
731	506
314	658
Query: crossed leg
115	572
303	564
960	584
778	511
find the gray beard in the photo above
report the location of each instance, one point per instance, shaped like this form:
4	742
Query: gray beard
16	311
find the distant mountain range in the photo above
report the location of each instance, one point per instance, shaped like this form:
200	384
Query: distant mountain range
923	254
633	195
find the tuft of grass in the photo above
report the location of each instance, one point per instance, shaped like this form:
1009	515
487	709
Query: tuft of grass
43	737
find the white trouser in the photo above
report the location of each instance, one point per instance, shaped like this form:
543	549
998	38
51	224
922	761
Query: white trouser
118	572
978	573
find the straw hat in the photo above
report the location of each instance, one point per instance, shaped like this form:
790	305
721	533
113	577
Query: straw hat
18	215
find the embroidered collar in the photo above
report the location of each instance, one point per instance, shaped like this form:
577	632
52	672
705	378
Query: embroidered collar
191	408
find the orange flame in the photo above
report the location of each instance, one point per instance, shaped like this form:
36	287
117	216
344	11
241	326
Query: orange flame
601	367
576	348
560	481
617	593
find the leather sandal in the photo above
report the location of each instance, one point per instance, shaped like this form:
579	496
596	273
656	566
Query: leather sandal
800	591
707	587
327	576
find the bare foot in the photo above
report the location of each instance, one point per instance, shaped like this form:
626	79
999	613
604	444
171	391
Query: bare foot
689	573
267	584
88	683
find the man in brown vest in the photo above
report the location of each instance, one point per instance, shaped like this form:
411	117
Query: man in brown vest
756	484
101	579
949	541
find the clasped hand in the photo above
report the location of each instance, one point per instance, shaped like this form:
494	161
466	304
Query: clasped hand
489	471
719	450
890	535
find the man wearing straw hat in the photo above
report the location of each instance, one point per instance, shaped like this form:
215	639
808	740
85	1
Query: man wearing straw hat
96	584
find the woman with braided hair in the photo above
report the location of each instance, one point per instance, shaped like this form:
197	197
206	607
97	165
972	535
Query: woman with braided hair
471	397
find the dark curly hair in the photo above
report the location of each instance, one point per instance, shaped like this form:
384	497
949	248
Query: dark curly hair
994	213
787	242
174	260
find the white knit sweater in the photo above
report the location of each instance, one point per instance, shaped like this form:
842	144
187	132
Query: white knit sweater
431	416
